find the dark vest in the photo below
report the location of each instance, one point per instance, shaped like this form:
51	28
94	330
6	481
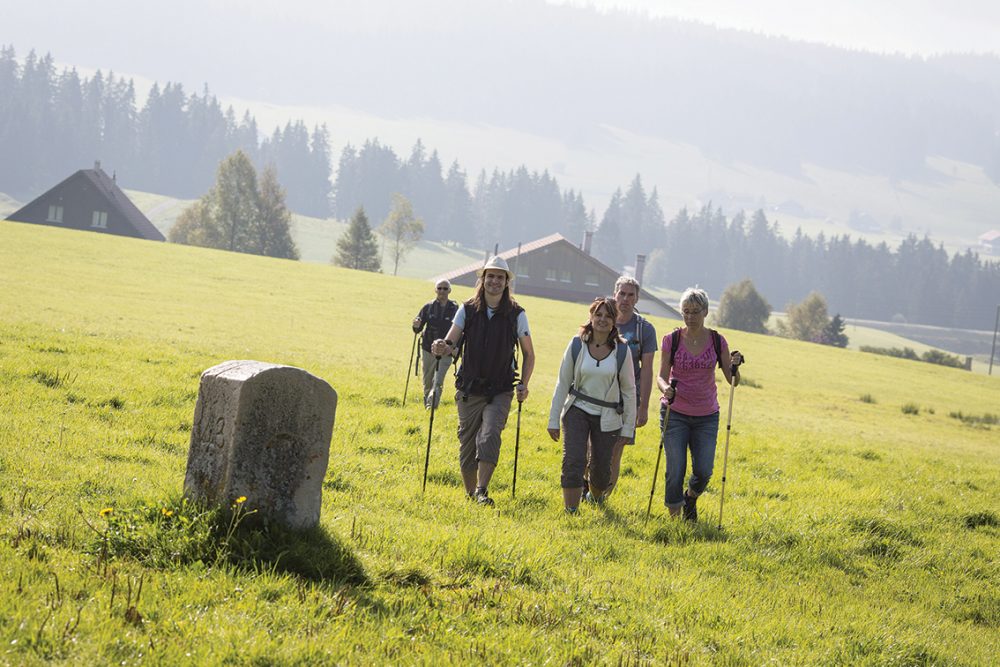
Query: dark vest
438	321
488	357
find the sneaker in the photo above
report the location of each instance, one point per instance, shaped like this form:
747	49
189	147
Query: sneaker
690	511
590	498
482	497
571	510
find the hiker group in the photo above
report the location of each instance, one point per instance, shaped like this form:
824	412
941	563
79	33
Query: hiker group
601	395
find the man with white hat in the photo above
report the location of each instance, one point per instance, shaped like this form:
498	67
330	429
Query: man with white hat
493	325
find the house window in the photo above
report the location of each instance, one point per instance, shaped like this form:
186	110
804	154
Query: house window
564	277
100	219
55	213
592	281
550	274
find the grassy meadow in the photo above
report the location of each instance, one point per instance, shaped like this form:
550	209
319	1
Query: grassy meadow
862	506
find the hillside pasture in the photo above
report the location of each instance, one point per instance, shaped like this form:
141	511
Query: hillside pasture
861	518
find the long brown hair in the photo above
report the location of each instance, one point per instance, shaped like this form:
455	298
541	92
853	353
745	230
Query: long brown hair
587	330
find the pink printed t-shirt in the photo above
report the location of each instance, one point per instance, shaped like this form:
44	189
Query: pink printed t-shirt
696	392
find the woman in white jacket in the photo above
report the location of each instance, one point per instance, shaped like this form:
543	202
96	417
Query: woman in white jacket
594	399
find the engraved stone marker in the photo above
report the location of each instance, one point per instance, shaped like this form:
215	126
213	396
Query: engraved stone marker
261	431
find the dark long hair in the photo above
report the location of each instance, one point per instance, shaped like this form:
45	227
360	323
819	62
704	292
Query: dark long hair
587	330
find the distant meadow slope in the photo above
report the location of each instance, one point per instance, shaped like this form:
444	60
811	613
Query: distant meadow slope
861	518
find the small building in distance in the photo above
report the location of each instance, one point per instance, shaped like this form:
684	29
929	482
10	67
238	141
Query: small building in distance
990	242
554	268
88	200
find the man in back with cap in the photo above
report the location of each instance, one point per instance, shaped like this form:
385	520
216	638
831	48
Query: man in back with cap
493	325
435	320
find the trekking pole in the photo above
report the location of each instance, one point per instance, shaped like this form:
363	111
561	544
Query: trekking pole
430	428
659	451
413	351
729	425
517	446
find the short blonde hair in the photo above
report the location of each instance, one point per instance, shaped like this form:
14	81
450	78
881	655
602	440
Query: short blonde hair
695	295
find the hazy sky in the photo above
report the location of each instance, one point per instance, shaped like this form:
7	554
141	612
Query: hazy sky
920	27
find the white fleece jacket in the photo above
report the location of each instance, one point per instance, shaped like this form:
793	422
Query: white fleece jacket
569	374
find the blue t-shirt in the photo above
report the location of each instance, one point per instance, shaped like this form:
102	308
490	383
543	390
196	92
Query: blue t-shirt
640	342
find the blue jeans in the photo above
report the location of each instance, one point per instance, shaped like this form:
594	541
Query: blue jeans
698	434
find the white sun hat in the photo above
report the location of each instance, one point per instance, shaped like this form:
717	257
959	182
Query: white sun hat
499	263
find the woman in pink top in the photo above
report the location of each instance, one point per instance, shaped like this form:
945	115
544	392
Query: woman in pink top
694	412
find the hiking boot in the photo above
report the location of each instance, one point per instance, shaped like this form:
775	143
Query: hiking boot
482	497
690	511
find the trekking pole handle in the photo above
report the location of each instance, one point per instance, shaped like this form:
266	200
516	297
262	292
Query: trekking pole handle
743	359
673	385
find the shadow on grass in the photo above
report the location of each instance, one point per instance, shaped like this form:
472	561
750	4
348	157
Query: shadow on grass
179	533
312	554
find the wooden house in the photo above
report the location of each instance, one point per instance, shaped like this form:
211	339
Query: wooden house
88	200
989	243
554	268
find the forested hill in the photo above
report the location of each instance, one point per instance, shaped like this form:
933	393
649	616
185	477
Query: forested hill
566	72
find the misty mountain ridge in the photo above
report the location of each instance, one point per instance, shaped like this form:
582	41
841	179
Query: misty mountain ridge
875	143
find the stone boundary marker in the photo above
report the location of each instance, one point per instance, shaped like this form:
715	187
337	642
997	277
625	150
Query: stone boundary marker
262	431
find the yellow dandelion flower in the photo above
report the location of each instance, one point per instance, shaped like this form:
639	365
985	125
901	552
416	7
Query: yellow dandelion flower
241	500
107	510
166	512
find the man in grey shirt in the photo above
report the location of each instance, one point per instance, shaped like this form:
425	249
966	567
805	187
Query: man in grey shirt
640	335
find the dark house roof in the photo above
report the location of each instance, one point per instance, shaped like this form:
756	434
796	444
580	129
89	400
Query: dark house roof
89	200
555	268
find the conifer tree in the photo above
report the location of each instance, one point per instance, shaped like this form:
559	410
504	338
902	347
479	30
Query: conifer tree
357	247
834	332
275	218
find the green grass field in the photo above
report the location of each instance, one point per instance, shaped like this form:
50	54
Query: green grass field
861	515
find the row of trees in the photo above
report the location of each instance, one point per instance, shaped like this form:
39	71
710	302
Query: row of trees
917	282
501	208
52	123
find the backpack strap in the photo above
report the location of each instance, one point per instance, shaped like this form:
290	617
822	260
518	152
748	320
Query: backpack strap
675	340
717	344
621	349
575	346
